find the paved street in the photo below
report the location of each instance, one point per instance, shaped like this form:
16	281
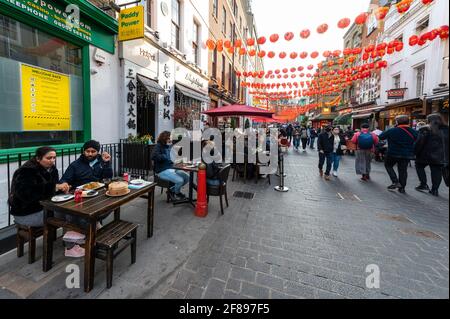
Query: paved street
313	242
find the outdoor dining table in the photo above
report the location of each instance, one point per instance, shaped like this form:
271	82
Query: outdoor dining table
188	168
91	210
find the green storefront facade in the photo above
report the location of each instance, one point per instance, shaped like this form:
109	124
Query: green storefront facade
36	34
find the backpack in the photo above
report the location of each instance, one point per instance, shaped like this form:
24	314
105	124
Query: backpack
365	141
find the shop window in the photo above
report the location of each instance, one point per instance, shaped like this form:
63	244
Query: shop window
186	111
420	80
41	91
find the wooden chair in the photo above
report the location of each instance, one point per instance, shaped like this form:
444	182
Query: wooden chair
113	239
220	190
28	234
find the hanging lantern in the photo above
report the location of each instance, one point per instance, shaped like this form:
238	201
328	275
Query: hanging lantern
227	44
237	43
252	53
305	34
381	46
390	51
434	34
293	70
210	44
315	55
277	71
427	2
327	54
285	70
300	69
274	38
304	55
302	75
322	28
413	40
262	54
357	51
282	55
365	56
370	48
362	18
337	53
344	23
399	47
261	40
242	51
250	42
289	36
271	54
381	13
443	32
294	55
231	50
403	6
310	67
348	51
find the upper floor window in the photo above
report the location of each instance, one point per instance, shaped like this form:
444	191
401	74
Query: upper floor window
224	21
422	25
215	8
420	80
195	42
149	8
396	81
176	24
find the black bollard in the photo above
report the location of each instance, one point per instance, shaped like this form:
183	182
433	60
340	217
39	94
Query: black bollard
281	187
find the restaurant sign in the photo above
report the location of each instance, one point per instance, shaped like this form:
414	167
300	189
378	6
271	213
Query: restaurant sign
67	19
131	23
396	94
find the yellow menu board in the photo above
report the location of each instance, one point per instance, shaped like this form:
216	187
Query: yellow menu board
45	100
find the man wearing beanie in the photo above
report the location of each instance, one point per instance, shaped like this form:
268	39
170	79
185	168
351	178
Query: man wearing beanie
90	167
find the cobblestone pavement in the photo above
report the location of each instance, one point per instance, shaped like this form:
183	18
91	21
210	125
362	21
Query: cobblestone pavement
314	241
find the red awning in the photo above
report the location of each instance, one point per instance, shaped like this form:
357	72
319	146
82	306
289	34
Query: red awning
260	119
238	110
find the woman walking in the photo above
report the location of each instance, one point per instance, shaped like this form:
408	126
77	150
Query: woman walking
339	146
365	147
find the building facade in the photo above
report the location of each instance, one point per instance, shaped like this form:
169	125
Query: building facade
419	72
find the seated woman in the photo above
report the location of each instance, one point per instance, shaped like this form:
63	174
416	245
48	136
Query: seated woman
163	166
34	181
213	168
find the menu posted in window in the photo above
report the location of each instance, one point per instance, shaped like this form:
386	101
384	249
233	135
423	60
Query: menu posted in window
45	100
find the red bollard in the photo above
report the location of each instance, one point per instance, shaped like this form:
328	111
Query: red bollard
201	210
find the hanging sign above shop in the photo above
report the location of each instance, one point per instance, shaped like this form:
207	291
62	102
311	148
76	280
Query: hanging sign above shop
396	94
65	19
131	23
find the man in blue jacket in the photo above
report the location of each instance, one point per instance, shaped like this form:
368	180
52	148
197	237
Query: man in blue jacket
401	140
89	167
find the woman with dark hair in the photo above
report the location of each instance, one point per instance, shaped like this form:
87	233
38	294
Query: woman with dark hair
34	181
163	165
365	142
431	149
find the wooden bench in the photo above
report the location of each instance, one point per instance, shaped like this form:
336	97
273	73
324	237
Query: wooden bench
113	239
28	234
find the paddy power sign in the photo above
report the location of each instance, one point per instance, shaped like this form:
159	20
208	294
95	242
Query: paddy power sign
131	23
65	18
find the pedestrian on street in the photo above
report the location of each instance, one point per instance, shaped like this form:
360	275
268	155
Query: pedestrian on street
365	147
339	146
297	135
325	145
289	132
431	149
313	136
304	137
401	140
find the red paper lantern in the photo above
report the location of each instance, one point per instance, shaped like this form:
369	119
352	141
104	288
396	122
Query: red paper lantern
399	47
443	32
250	42
262	54
274	38
403	6
344	23
337	53
305	34
285	70
282	55
304	55
277	71
322	28
310	67
362	18
242	51
238	43
357	51
390	51
271	54
227	44
262	40
231	50
427	2
293	70
365	56
210	44
252	53
413	40
434	34
293	55
315	55
370	48
289	36
327	54
381	46
381	13
300	69
348	51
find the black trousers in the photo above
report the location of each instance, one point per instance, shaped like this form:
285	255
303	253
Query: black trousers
402	166
329	159
289	138
436	174
304	143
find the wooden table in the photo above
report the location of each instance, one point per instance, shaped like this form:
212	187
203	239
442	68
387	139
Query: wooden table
191	171
91	210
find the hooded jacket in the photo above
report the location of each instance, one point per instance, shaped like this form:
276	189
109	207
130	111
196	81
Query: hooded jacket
31	183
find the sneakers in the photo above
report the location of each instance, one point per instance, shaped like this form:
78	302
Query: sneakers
75	252
364	178
327	177
423	188
394	186
335	173
71	236
402	190
434	192
180	196
321	172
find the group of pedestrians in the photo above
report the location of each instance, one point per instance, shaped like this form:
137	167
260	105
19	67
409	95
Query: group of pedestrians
301	136
427	146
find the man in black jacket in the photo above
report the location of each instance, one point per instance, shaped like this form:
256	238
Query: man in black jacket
90	167
325	146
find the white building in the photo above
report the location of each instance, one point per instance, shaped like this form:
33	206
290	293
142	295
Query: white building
164	76
420	70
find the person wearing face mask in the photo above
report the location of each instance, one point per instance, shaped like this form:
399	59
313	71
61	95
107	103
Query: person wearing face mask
325	146
89	167
34	181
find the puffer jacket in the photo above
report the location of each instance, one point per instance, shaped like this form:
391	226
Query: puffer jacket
431	148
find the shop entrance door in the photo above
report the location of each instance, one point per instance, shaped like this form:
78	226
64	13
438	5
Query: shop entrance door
146	111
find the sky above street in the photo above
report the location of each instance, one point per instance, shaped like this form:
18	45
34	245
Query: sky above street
281	16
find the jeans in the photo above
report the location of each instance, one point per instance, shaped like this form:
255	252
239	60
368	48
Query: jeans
436	174
336	161
402	165
213	182
328	158
32	220
179	178
311	143
296	142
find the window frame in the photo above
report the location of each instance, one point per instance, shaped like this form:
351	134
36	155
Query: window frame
224	21
418	68
195	42
176	25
